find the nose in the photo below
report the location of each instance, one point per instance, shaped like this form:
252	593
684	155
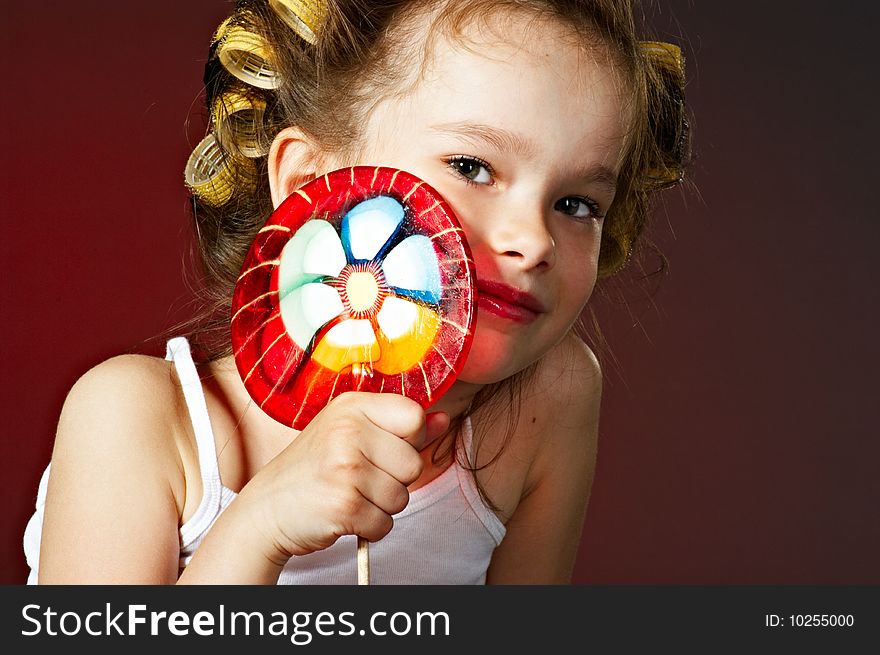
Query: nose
522	234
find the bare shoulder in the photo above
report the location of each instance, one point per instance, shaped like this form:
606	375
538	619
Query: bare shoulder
127	391
126	373
558	432
564	397
569	372
126	411
116	476
556	424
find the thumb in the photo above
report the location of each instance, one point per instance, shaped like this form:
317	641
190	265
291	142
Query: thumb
436	424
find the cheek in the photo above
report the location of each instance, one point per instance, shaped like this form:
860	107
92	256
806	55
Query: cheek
576	292
578	270
468	208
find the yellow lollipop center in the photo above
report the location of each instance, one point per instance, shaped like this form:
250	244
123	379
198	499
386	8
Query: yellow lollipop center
362	290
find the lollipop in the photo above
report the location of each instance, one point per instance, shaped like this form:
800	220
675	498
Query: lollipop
361	280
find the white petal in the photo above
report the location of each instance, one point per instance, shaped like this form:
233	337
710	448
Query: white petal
397	317
305	309
351	333
313	252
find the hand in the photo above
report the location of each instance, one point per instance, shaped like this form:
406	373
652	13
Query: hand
347	472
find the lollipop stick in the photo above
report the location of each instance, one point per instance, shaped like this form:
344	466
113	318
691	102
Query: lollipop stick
363	561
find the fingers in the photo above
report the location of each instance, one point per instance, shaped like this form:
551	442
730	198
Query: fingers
361	452
347	472
371	522
390	454
384	491
366	507
392	413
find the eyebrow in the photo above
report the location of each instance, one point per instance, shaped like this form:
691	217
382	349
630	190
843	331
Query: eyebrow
478	133
507	141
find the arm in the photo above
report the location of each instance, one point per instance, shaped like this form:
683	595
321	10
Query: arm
111	510
117	487
544	532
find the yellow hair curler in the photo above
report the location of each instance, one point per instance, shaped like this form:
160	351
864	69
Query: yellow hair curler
207	174
670	64
302	16
247	56
667	54
237	119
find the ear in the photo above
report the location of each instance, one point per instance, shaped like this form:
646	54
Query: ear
293	161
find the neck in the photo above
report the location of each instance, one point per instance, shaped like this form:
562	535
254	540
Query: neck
457	399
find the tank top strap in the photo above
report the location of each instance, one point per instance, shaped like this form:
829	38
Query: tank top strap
178	352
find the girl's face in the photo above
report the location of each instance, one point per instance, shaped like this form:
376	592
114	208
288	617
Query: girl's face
522	134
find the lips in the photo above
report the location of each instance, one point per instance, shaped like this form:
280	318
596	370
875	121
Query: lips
507	302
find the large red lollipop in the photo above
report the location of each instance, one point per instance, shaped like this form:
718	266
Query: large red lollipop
361	280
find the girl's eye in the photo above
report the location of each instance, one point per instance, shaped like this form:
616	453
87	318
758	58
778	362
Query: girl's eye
473	170
578	207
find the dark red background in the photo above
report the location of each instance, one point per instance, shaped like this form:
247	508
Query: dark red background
738	439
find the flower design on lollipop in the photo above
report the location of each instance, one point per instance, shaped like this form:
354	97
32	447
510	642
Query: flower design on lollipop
361	280
381	310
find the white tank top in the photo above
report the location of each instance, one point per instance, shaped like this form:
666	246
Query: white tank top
445	535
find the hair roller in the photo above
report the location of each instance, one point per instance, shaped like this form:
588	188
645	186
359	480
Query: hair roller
237	121
302	16
667	54
207	173
247	56
668	121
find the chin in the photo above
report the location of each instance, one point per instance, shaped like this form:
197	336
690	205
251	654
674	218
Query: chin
490	361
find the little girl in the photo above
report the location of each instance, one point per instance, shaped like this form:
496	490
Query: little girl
546	126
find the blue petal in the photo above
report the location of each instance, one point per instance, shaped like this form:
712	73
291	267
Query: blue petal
368	226
412	267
